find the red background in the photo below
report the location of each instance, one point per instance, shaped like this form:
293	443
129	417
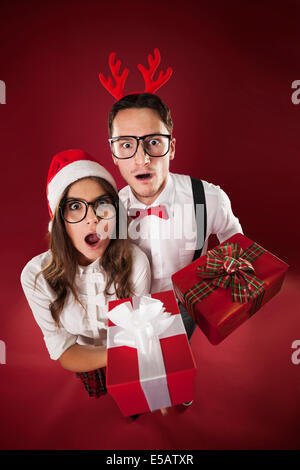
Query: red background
235	125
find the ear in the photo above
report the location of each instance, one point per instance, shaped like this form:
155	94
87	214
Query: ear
172	148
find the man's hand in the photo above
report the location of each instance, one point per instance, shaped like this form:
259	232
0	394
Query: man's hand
164	411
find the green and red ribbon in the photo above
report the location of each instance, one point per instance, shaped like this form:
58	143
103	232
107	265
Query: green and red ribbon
229	265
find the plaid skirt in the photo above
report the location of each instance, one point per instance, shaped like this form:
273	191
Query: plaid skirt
94	381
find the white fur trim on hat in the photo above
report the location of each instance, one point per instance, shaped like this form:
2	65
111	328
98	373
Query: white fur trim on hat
71	173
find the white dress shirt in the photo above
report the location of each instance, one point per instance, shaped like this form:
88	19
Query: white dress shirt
77	325
170	244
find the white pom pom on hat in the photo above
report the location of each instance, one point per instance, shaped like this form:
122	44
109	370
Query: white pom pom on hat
66	168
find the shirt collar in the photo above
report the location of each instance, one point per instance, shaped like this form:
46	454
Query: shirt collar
93	267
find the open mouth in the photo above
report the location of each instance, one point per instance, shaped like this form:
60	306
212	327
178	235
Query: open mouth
144	176
92	239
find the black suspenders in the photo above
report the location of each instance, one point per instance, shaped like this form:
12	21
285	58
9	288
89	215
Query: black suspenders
199	198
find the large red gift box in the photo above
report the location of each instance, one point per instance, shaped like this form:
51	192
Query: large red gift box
123	378
216	313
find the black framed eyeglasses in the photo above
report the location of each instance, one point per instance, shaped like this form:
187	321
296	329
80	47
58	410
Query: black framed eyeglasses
126	146
75	210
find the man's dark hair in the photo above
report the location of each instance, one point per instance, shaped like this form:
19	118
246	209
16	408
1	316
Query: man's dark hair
141	100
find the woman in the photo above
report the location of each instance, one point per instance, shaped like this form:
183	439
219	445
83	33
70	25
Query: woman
89	263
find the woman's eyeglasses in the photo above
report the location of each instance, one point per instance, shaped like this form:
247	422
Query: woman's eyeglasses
75	210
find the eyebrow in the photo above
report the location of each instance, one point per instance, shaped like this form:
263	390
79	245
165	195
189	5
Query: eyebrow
118	137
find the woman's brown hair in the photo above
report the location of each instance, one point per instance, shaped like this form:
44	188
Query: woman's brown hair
116	261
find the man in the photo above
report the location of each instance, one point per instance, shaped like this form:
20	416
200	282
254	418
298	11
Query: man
142	146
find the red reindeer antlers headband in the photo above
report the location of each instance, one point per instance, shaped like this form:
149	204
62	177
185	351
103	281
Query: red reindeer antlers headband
117	90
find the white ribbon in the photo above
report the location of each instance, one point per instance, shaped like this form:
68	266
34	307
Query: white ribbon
141	327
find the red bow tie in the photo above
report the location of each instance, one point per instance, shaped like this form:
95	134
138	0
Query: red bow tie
159	211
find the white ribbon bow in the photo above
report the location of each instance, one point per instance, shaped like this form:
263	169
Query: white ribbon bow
142	324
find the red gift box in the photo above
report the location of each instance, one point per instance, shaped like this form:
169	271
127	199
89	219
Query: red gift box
216	313
123	374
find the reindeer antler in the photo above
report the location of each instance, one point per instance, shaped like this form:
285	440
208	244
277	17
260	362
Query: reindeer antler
150	85
116	91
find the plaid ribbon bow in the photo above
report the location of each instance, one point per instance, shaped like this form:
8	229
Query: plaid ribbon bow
229	265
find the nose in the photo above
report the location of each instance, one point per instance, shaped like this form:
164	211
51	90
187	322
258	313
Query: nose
141	157
90	215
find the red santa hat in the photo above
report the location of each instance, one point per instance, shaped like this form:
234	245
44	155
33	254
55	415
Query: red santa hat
66	168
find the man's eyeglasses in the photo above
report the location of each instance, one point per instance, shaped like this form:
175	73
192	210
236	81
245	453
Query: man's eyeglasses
75	210
126	146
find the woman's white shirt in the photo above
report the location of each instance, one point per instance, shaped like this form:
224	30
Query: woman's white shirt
86	327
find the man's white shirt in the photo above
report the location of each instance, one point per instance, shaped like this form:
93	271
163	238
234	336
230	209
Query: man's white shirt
170	244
